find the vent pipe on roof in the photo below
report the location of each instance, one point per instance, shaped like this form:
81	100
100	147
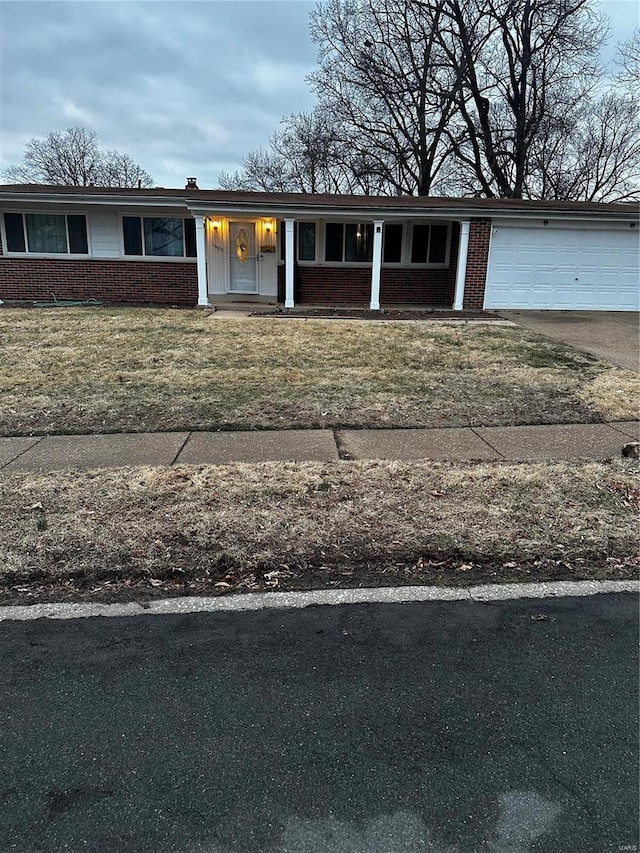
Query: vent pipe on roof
192	184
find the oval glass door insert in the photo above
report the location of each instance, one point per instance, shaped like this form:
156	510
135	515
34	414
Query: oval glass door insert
242	246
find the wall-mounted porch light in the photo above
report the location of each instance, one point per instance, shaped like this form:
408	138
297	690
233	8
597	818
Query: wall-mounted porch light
216	227
268	236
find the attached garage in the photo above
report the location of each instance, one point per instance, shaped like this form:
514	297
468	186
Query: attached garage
557	266
197	246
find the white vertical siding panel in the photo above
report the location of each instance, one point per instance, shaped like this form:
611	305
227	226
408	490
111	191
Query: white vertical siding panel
104	233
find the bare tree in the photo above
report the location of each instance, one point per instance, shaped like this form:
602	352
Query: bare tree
73	158
306	155
310	146
121	170
525	66
477	97
629	62
592	155
384	75
500	98
260	170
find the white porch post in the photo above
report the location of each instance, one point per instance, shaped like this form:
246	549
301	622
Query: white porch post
461	272
201	254
288	261
376	265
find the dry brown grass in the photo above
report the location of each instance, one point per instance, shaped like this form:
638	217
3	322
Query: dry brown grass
360	523
100	370
615	394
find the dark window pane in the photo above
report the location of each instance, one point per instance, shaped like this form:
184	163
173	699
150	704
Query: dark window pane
306	241
333	243
46	232
438	244
283	236
132	234
392	248
163	237
77	226
190	238
15	232
358	242
420	244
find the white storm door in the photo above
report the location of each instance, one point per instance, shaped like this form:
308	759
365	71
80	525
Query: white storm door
243	267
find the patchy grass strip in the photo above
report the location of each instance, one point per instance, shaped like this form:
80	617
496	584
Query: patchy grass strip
145	370
130	532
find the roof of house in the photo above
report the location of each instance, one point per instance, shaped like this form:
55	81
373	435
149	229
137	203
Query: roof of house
195	198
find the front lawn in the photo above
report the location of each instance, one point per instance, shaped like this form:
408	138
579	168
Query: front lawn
205	529
105	370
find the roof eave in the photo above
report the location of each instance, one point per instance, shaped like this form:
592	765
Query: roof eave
88	198
459	212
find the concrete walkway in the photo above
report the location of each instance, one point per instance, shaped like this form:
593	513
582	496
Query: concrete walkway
519	443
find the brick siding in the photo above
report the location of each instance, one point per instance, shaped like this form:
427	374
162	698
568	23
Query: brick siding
477	260
164	283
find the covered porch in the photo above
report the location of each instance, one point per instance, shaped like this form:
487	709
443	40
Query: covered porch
331	258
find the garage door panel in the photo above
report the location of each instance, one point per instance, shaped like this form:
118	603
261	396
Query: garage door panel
578	269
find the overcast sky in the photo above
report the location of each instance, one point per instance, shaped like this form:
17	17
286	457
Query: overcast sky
186	88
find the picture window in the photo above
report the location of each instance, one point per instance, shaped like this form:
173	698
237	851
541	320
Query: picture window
160	237
46	233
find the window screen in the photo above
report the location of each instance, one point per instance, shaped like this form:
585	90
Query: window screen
46	232
306	241
77	226
14	229
438	244
420	244
392	244
358	242
333	243
132	233
163	237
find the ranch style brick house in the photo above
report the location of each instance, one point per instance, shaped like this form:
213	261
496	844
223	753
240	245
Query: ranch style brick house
190	247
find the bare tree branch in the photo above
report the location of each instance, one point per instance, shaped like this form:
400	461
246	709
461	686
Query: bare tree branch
461	97
73	158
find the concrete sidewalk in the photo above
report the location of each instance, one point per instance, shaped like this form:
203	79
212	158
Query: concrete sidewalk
518	443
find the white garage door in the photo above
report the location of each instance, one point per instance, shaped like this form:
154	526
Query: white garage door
579	269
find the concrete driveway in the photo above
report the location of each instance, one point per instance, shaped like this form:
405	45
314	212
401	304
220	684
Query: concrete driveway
612	336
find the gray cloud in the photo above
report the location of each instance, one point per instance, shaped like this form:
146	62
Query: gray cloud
185	88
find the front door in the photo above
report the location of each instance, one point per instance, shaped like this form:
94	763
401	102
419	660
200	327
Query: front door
243	273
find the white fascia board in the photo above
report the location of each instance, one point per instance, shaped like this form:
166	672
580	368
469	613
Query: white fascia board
337	214
503	217
563	220
455	214
299	211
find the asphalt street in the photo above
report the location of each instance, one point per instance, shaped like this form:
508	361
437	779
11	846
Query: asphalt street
448	727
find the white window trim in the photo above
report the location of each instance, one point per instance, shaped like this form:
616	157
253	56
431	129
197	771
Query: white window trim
409	246
405	254
344	222
403	245
49	255
172	259
316	222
